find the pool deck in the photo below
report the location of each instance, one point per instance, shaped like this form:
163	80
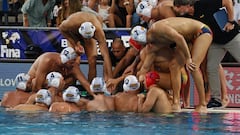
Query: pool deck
216	110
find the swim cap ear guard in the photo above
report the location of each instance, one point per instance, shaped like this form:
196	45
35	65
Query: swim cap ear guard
131	83
98	85
43	96
71	94
67	54
154	3
87	30
54	79
135	44
144	8
22	86
151	78
21	81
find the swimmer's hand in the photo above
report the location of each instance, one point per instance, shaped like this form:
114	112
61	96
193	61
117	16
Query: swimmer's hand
141	78
80	50
129	70
141	96
190	65
111	84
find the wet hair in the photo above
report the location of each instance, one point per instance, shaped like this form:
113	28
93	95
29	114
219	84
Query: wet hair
183	2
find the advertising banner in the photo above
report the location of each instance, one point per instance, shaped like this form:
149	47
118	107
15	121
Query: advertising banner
233	86
16	43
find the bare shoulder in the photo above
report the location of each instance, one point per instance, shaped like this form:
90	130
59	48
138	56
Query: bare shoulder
118	95
154	90
48	56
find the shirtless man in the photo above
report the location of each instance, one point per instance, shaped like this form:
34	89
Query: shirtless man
156	100
127	101
21	94
102	100
136	42
161	64
71	98
64	63
42	102
117	53
56	85
167	32
224	40
82	30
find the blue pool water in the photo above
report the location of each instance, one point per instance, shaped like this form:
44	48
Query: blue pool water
95	123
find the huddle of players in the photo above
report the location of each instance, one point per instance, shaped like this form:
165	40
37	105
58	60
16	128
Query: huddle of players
53	99
57	90
57	96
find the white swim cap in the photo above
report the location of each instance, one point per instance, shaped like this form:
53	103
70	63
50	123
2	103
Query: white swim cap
87	30
71	94
139	34
144	8
43	96
21	81
154	3
131	83
54	79
98	85
67	54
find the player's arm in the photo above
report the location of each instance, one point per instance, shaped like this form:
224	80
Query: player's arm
40	79
147	63
125	61
81	78
179	39
31	99
230	12
100	37
181	44
64	28
147	104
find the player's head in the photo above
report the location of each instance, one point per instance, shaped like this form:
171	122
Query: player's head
54	79
144	9
71	94
87	30
138	37
151	78
131	83
43	96
98	85
21	81
67	54
153	3
139	34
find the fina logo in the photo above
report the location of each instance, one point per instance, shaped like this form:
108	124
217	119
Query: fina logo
8	40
